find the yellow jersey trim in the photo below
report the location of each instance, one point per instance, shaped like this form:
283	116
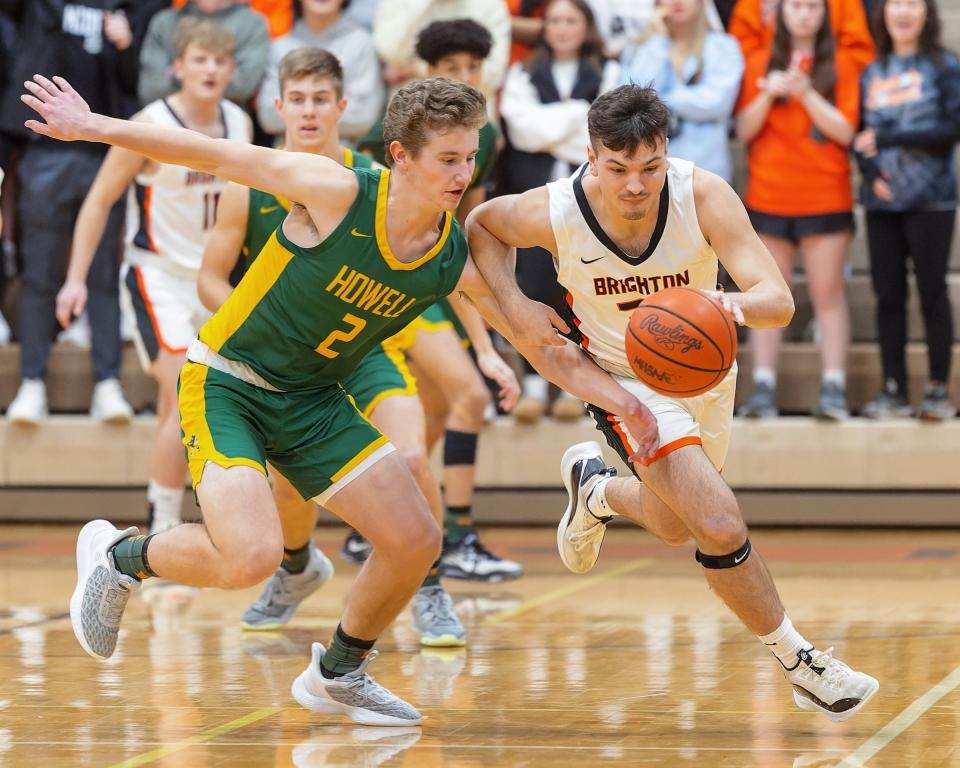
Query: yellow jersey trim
260	278
347	157
392	261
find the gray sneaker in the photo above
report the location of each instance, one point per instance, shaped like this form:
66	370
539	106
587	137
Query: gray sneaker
285	591
832	404
936	405
355	694
580	532
889	404
435	620
762	403
102	591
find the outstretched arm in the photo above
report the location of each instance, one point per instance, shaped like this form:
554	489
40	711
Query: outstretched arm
116	173
568	367
765	300
322	185
520	221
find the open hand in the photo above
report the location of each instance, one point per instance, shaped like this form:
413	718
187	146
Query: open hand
493	367
535	324
67	116
730	303
641	424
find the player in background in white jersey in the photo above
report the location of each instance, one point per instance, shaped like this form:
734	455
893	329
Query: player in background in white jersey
170	211
631	224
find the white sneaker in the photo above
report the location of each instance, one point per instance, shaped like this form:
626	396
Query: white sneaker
355	694
108	403
30	404
580	533
826	685
102	591
4	331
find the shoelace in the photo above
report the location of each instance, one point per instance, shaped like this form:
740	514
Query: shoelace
368	687
835	672
439	606
115	599
477	550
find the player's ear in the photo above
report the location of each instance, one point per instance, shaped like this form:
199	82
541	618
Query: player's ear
342	105
401	158
278	104
592	159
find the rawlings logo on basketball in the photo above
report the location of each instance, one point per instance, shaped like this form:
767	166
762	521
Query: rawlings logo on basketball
651	371
669	336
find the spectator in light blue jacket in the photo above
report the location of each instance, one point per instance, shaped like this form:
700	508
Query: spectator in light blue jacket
696	67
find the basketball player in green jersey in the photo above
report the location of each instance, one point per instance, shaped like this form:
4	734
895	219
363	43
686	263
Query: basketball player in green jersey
360	255
311	103
454	395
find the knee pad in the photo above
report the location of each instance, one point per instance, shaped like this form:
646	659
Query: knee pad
725	561
459	448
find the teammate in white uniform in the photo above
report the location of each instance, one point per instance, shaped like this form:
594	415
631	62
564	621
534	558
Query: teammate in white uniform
630	225
170	212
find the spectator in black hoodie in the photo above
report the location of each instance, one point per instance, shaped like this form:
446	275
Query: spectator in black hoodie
92	42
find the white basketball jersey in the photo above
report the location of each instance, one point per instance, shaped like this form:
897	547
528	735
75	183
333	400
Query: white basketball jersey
171	210
604	285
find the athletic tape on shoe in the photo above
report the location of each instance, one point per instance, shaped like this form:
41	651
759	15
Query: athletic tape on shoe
725	561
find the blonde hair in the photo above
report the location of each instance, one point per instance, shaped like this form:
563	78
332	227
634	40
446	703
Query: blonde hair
435	104
205	34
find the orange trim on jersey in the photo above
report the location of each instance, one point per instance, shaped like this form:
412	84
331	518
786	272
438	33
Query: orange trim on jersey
584	339
147	195
153	318
621	433
671	447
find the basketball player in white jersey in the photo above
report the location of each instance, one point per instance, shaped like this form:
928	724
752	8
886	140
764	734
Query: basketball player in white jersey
170	211
631	222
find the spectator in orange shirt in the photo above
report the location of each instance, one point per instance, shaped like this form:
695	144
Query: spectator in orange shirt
798	109
752	23
278	13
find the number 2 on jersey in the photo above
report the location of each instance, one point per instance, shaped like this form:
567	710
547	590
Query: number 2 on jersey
357	323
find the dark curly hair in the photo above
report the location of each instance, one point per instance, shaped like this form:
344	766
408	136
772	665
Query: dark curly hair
442	38
627	118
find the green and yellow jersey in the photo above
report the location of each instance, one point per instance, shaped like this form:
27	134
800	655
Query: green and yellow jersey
267	212
303	318
486	152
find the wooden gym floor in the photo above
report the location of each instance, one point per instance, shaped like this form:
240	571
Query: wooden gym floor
634	664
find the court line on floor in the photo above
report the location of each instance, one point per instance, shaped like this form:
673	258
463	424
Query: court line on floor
901	722
37	623
583	583
211	733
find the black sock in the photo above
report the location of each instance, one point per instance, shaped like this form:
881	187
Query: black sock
344	655
295	560
130	557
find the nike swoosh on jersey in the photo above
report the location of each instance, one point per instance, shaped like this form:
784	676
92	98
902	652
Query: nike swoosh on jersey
269	209
584	261
358	234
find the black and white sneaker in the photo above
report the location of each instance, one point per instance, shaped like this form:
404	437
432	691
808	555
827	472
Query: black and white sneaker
356	549
580	533
826	685
471	561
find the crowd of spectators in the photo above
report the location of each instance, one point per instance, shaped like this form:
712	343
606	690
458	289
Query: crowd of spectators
820	99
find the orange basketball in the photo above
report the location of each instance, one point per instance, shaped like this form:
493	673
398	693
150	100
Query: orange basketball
681	342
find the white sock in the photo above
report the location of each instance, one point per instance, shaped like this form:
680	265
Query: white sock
166	506
534	387
784	642
765	376
836	376
597	500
